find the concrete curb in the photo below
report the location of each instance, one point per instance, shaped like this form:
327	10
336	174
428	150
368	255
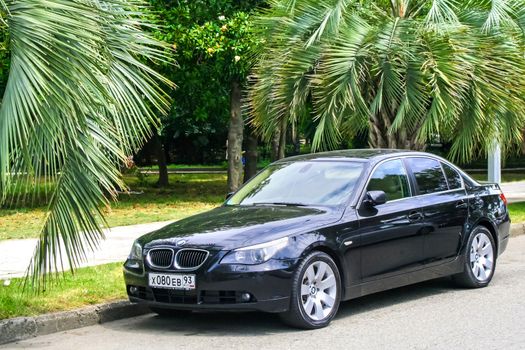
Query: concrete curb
20	328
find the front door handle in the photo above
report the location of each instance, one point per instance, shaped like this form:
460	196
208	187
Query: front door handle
461	205
415	216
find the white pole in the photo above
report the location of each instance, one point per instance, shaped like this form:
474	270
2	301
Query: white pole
494	163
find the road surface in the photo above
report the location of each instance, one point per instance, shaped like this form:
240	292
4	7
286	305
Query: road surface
430	315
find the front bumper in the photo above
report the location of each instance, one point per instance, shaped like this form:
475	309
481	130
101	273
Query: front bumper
220	287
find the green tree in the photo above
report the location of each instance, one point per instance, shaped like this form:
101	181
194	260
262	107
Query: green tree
213	44
403	70
77	103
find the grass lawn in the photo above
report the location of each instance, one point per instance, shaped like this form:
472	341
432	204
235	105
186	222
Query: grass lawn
89	286
517	212
187	194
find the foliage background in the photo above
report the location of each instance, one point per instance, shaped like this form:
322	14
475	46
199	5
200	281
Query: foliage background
212	43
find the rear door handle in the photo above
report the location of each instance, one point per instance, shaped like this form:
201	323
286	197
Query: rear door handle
461	205
414	216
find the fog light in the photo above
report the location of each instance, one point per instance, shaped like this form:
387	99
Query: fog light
245	297
133	264
133	290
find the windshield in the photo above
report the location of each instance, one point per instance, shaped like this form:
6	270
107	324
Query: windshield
301	183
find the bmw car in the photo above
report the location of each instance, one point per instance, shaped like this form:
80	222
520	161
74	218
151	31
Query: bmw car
311	231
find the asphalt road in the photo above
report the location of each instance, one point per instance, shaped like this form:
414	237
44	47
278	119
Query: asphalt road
430	315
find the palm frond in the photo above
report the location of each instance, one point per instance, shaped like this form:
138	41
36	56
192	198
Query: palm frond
407	71
442	12
79	99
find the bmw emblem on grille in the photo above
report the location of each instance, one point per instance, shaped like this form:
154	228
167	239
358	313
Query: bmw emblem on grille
181	242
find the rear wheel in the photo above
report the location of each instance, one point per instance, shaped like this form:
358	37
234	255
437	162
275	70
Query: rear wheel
316	293
480	261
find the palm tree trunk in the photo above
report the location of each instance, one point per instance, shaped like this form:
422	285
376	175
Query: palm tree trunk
275	145
235	136
295	140
282	140
376	134
412	140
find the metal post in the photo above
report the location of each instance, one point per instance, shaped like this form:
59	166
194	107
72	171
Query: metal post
494	163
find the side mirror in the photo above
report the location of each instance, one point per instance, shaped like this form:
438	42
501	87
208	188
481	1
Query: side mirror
228	196
374	198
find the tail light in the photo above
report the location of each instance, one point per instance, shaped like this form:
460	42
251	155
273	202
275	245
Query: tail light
503	198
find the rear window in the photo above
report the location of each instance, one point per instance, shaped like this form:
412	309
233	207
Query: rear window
453	177
429	175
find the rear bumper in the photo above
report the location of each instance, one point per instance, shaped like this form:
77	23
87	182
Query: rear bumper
221	287
503	235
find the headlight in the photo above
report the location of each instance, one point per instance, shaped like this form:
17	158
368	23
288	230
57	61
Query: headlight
136	252
135	257
255	254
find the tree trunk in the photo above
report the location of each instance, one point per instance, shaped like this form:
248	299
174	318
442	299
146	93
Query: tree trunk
295	140
161	160
400	140
275	145
522	148
235	135
282	141
250	167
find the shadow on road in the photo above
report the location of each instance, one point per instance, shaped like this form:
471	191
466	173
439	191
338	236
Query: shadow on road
254	323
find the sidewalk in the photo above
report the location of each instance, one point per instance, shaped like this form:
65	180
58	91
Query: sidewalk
15	254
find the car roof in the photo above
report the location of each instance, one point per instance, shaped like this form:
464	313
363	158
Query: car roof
360	155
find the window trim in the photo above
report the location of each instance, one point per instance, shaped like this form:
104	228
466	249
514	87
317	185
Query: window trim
456	171
410	185
415	179
411	174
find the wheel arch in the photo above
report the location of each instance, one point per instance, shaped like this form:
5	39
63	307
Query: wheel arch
484	222
320	247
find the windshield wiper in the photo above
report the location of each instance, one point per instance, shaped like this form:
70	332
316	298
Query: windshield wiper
282	203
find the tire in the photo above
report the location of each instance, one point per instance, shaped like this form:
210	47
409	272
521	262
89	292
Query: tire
169	312
312	307
480	260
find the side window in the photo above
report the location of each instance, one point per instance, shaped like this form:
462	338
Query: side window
429	175
390	177
453	177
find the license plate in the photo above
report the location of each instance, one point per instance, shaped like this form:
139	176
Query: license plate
171	281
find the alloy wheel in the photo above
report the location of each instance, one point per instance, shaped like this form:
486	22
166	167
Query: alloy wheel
318	290
481	256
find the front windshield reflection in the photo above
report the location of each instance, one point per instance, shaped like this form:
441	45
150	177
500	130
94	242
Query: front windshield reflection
301	183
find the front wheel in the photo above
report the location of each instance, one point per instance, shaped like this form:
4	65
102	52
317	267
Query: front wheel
316	293
480	260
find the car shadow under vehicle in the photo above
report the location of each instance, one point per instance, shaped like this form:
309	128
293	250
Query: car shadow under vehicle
258	323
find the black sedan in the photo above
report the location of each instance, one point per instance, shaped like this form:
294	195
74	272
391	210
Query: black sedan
310	231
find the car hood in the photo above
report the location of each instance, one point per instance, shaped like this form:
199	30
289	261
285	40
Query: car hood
230	227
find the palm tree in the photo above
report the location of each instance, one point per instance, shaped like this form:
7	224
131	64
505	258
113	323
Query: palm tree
78	101
406	71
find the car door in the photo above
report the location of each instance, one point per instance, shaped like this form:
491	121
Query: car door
391	240
445	208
